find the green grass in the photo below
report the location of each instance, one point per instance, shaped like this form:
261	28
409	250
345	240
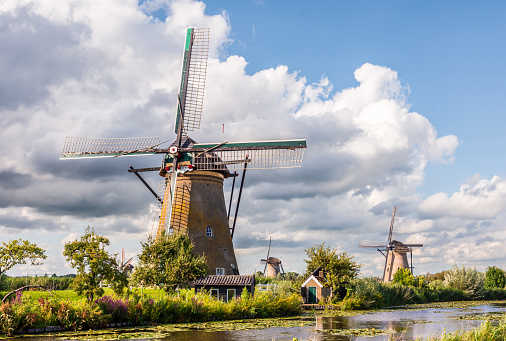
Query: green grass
34	295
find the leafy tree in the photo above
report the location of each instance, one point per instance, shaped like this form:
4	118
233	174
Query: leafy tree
93	264
17	252
168	261
405	277
494	277
340	268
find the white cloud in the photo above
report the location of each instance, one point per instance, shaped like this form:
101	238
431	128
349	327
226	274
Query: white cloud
116	73
483	200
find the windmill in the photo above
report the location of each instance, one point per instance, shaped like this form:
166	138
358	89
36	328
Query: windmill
191	198
126	265
395	253
272	264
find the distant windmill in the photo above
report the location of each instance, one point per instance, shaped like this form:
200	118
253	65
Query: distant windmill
272	264
191	195
395	253
126	266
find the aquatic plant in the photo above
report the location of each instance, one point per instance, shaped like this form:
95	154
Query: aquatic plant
485	332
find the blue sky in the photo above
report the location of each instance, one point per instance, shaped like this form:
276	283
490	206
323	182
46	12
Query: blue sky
401	103
449	53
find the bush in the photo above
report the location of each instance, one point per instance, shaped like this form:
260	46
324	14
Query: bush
363	293
396	294
404	276
469	280
494	294
494	278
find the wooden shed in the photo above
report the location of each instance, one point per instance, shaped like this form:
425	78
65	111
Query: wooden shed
225	288
313	290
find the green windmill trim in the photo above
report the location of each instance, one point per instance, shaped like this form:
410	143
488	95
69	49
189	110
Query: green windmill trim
187	52
184	157
254	144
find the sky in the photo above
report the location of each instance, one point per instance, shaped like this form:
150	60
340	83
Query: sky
401	103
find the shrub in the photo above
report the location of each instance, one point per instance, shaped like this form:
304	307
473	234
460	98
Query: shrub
117	308
363	293
494	294
494	278
395	294
469	280
404	276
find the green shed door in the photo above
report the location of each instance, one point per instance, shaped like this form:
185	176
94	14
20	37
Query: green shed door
312	295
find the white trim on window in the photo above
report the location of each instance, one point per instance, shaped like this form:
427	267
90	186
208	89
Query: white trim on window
229	291
209	231
220	271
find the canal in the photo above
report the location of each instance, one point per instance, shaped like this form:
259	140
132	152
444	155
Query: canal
374	326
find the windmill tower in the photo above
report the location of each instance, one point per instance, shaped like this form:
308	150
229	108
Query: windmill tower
192	199
396	253
126	265
272	264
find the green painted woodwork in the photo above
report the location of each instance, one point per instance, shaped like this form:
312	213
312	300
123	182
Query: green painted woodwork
253	144
312	299
184	157
189	33
184	77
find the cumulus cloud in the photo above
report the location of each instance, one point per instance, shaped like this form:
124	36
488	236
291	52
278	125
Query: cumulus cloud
112	69
483	200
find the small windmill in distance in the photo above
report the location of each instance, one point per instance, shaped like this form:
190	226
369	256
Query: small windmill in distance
126	266
272	264
395	253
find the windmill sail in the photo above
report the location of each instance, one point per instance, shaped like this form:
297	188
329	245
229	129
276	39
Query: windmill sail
193	80
231	156
83	147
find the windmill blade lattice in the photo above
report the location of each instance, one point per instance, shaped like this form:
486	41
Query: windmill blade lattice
79	147
261	155
196	80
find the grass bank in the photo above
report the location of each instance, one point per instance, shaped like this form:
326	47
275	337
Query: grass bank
35	310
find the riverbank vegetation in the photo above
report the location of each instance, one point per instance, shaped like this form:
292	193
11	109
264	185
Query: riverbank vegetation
459	284
485	332
25	312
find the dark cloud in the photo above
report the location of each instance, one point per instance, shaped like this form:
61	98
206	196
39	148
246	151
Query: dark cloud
23	223
12	180
36	53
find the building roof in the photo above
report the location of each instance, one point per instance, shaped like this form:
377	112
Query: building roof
316	276
232	280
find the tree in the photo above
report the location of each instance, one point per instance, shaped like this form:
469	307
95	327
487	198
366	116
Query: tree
168	261
494	278
94	265
17	252
339	267
404	277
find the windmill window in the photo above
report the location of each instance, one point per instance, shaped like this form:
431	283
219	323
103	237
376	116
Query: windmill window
171	231
214	293
220	272
209	231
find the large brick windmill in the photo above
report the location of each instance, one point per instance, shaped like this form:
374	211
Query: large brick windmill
192	199
396	253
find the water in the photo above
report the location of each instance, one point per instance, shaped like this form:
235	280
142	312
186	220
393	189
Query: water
401	324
